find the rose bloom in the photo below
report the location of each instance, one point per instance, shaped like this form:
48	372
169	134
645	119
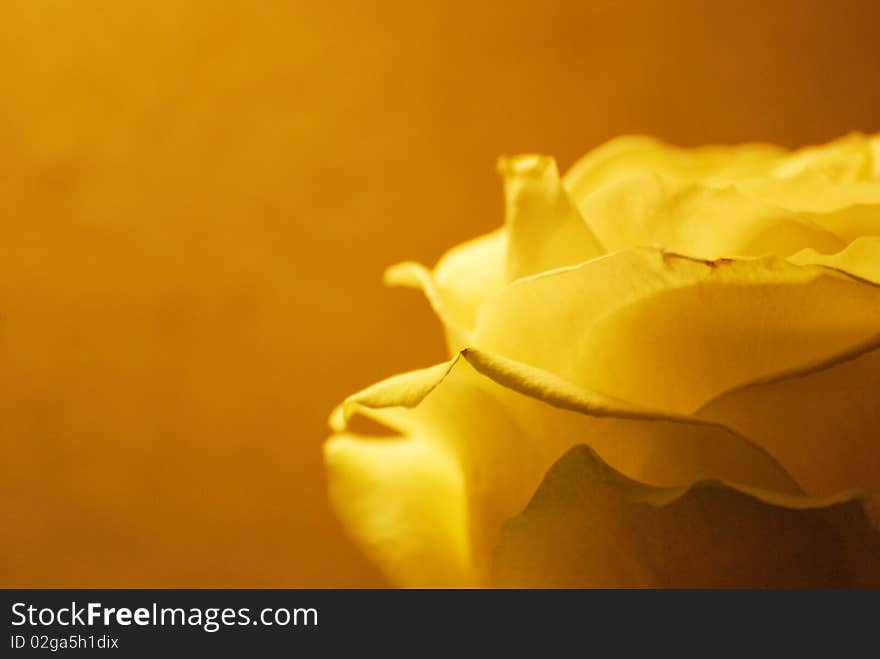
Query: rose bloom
664	371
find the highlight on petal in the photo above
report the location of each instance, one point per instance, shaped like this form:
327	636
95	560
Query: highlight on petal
504	424
637	155
670	332
403	500
722	201
698	220
589	526
848	209
456	287
852	157
821	422
544	229
811	193
860	258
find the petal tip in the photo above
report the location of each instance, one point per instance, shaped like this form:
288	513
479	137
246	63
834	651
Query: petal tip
407	274
529	164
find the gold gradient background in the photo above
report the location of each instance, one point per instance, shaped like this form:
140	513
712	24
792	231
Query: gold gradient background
197	200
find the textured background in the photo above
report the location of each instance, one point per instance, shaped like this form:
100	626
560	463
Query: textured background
197	200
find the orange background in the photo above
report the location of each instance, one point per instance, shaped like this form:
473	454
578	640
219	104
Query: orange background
197	200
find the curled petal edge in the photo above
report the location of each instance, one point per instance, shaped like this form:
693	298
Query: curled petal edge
409	389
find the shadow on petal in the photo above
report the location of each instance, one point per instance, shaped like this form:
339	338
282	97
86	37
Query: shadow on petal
589	526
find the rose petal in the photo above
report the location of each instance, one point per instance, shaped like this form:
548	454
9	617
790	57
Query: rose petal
860	258
670	332
852	157
851	222
506	423
729	201
545	230
848	209
589	526
403	500
811	193
698	220
633	155
458	285
823	422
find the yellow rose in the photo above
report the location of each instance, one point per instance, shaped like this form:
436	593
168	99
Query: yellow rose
665	371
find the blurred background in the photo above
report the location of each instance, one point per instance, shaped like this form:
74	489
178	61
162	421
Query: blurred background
197	200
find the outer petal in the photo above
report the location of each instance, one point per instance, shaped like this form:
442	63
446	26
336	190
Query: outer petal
505	423
545	230
698	220
822	422
458	285
403	500
853	157
733	201
811	192
851	222
635	155
670	332
589	526
860	258
848	209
